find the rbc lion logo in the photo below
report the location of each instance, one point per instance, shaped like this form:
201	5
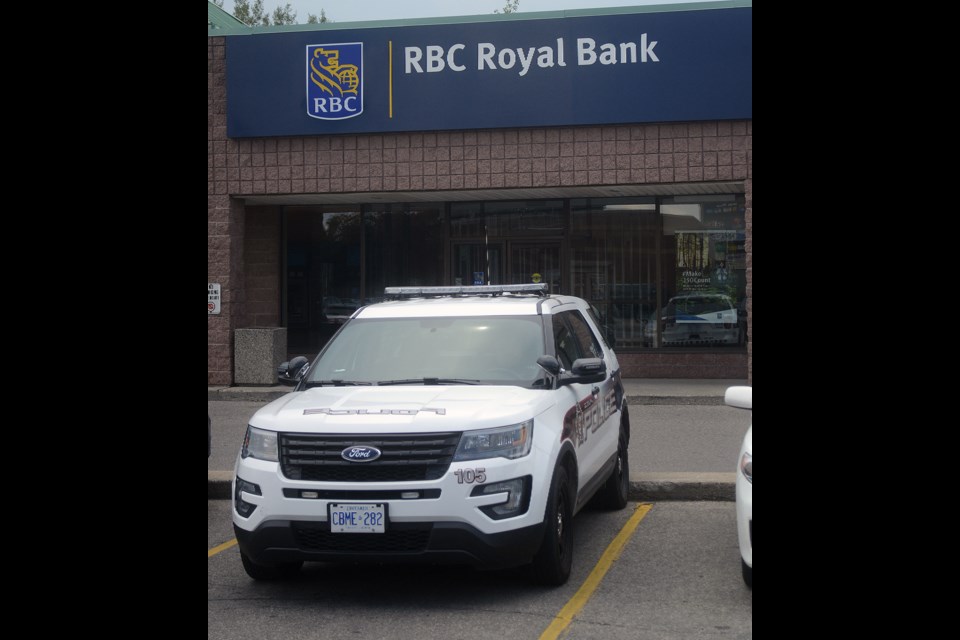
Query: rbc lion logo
335	80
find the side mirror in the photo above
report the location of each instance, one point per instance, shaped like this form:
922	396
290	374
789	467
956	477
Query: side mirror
586	371
549	364
289	373
739	397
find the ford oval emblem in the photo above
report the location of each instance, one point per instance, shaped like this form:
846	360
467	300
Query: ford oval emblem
360	453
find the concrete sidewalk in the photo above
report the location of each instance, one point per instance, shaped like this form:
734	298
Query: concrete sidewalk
640	391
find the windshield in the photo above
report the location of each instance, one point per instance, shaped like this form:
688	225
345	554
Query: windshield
489	349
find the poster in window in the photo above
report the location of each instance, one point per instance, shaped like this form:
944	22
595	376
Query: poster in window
708	259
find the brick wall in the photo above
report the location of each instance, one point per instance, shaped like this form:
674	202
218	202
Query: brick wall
504	158
673	364
262	267
222	224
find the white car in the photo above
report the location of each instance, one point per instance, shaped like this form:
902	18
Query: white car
742	398
700	319
448	424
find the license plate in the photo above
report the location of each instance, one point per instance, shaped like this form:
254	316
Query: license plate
358	518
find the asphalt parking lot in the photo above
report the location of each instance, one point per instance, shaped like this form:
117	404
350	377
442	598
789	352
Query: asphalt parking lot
676	575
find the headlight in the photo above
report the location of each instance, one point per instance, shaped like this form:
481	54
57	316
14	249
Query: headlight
746	466
259	444
503	442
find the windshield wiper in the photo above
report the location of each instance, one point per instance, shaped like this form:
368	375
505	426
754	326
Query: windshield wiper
429	381
336	383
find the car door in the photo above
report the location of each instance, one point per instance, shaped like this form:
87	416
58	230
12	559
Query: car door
589	417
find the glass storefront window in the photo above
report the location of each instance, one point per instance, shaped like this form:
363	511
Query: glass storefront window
519	238
659	272
662	272
499	219
403	247
340	258
322	272
613	247
704	272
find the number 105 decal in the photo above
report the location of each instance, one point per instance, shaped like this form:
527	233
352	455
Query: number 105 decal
469	476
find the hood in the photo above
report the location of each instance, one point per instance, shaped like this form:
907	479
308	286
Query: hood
400	409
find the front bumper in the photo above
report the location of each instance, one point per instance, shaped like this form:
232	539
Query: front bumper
431	542
441	520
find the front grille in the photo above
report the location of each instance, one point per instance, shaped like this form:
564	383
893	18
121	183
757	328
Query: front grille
403	457
406	537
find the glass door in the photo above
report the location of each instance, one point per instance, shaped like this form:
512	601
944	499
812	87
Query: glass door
536	262
476	263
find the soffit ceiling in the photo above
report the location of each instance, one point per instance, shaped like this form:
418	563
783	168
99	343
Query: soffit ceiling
531	193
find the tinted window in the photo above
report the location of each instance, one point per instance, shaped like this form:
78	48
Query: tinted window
574	339
565	343
587	341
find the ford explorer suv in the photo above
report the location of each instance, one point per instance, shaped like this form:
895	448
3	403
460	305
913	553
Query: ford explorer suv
463	425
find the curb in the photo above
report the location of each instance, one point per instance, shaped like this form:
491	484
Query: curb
218	485
699	487
654	487
675	400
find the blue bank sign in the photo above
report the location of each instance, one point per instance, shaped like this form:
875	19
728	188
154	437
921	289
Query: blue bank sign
682	65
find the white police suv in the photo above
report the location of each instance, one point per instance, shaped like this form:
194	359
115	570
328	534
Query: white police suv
447	424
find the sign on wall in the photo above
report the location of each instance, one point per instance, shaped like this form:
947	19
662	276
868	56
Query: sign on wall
681	65
213	298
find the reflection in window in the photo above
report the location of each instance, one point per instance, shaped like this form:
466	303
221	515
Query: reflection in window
403	247
704	272
513	218
631	256
613	247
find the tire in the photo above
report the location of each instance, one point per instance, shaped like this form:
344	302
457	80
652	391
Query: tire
747	573
551	564
613	494
269	571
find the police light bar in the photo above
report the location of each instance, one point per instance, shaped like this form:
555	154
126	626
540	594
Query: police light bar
476	290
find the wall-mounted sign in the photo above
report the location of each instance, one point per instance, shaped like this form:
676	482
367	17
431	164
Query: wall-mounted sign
646	66
213	298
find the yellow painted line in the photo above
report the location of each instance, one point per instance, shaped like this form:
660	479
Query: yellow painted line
582	596
221	547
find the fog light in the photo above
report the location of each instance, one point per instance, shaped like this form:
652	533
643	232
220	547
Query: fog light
243	507
514	504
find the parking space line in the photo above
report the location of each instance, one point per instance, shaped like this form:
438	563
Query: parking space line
221	547
582	596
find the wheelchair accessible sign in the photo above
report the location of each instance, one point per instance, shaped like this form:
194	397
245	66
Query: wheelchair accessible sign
213	298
